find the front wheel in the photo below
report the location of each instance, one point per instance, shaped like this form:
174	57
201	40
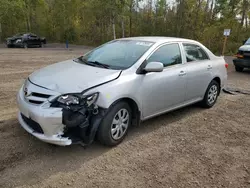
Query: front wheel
115	124
41	45
211	94
25	45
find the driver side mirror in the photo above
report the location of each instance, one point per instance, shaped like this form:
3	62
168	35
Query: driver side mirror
154	67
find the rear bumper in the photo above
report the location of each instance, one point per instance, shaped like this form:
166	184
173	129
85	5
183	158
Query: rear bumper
245	63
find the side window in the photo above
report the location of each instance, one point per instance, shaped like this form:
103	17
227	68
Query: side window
194	52
32	35
168	55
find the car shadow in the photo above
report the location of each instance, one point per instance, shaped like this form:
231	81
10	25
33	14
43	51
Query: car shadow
163	120
246	71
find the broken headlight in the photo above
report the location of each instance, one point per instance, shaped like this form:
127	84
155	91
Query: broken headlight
71	99
18	40
91	99
68	99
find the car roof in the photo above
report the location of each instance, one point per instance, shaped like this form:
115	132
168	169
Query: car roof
158	39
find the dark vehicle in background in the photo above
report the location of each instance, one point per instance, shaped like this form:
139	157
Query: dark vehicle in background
243	57
25	40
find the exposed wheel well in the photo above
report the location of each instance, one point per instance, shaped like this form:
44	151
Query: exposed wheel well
136	114
217	79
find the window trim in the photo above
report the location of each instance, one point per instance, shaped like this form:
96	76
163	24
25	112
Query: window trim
164	44
190	43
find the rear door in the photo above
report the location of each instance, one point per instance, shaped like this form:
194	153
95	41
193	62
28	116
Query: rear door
199	71
33	39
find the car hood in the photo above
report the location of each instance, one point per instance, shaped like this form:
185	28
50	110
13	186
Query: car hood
70	76
245	48
14	38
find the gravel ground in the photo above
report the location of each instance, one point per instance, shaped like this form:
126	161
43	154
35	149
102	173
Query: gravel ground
191	147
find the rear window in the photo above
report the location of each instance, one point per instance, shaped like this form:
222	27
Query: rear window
194	52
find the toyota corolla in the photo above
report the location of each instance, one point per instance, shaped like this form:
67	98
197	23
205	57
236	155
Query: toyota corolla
119	84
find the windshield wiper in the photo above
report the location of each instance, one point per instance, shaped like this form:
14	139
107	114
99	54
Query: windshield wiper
97	63
93	63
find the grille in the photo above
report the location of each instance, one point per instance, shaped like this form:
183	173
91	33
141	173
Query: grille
32	124
32	96
37	98
35	102
40	95
246	57
246	54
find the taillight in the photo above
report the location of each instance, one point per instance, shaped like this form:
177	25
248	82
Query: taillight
238	56
226	65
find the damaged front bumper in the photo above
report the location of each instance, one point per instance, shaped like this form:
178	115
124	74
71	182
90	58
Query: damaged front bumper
52	125
53	139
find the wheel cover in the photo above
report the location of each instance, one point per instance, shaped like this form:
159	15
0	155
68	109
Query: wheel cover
212	94
120	124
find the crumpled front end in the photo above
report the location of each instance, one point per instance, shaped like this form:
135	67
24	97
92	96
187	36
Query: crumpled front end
56	139
81	120
46	118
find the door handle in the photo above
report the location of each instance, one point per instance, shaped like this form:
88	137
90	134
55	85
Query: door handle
209	67
182	73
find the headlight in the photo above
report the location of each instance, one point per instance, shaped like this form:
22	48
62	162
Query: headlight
91	99
68	99
18	40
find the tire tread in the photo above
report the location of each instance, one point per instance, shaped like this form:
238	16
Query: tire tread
103	133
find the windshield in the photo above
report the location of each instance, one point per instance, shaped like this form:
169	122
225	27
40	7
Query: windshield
119	54
247	42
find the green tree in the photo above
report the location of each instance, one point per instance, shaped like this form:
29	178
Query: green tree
93	22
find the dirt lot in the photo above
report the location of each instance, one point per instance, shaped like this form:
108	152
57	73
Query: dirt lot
191	147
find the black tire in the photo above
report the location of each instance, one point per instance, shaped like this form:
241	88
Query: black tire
104	131
205	102
239	69
25	45
41	45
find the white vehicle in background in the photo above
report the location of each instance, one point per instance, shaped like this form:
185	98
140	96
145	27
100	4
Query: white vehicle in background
242	59
120	83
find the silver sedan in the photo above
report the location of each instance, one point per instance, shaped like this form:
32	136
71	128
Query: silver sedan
119	84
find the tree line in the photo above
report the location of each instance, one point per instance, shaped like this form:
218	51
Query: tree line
93	22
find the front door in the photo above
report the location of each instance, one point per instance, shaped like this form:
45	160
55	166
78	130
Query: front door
164	90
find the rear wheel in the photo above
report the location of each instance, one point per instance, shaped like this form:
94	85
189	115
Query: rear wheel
211	94
238	69
115	124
